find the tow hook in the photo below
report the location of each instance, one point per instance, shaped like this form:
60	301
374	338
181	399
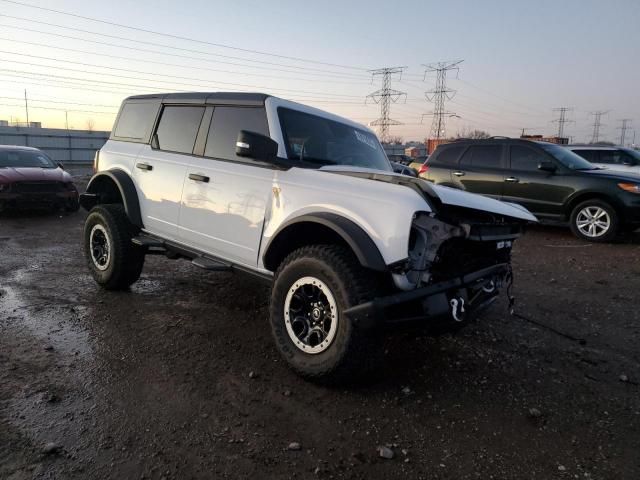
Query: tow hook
454	302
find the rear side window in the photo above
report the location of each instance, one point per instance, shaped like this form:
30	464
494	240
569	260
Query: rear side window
136	121
447	156
525	158
225	126
483	156
588	155
178	128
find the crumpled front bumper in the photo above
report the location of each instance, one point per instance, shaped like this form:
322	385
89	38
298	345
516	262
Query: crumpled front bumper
433	304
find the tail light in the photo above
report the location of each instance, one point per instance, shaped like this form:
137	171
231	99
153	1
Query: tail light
96	161
423	169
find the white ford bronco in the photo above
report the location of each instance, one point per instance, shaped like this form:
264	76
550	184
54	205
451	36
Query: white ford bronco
305	200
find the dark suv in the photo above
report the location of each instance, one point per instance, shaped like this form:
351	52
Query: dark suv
554	183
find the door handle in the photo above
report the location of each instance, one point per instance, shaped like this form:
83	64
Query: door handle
144	166
512	179
458	173
198	178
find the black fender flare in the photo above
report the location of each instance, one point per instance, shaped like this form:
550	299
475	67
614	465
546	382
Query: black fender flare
356	238
127	189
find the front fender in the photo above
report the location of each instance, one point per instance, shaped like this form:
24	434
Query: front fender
97	188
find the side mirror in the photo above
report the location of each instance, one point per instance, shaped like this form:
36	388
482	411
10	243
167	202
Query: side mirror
155	143
547	166
61	166
257	146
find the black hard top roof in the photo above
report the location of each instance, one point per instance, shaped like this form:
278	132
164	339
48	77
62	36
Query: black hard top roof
236	98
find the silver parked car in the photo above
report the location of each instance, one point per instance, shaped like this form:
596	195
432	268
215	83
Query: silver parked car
612	158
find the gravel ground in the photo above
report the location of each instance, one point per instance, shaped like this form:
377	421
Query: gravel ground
178	378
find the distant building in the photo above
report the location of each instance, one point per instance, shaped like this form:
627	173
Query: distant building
540	138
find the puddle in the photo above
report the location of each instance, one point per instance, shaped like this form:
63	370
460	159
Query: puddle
58	326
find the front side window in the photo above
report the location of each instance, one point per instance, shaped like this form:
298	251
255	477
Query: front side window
178	128
482	156
225	126
566	157
25	159
616	157
320	141
525	158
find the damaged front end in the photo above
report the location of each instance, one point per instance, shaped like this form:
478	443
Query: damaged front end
458	261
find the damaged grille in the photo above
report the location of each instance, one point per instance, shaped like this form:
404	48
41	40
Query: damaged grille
37	187
460	256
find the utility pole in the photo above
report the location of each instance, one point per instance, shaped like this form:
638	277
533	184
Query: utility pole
66	119
385	97
26	106
439	95
626	125
562	119
597	124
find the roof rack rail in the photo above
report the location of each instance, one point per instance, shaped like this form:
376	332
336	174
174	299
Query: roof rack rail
499	137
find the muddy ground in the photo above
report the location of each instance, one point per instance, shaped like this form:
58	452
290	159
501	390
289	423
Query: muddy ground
155	383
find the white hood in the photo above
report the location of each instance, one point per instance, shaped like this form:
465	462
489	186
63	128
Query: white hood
447	195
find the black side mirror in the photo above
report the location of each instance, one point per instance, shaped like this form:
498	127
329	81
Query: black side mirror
257	146
61	166
547	166
155	143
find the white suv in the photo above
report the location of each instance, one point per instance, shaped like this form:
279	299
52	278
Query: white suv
305	200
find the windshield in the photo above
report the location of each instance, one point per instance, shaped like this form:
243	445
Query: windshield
25	158
634	153
320	141
567	157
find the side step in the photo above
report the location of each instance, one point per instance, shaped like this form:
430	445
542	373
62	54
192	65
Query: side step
211	265
145	241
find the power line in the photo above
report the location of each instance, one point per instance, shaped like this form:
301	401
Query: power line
595	137
626	125
439	94
146	50
330	95
562	120
385	97
178	37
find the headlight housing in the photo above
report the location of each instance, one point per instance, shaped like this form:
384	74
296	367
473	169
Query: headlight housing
630	187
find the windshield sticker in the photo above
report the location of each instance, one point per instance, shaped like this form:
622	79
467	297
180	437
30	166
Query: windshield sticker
366	140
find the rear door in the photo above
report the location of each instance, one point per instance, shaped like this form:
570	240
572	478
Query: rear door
441	163
225	196
542	193
159	171
481	169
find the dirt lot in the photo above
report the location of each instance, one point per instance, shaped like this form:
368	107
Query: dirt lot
178	378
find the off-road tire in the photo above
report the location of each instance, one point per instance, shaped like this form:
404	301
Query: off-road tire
126	259
609	235
354	352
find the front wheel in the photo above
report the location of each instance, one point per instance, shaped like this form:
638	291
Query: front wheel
114	261
594	221
313	286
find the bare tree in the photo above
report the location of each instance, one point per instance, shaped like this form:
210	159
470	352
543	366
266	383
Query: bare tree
90	124
397	140
469	133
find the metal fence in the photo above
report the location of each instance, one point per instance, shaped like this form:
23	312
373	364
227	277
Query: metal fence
65	146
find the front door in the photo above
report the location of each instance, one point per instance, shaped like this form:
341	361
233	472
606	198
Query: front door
226	197
542	193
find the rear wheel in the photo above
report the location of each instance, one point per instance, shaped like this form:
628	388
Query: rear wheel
594	221
312	288
114	261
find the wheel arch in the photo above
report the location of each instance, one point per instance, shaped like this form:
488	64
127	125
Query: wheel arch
322	227
584	196
113	186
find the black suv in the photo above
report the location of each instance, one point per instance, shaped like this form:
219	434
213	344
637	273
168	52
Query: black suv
554	183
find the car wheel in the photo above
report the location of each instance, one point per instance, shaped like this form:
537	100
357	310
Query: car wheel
114	261
313	286
594	221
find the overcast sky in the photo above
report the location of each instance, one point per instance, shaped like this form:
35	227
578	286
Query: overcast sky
521	58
